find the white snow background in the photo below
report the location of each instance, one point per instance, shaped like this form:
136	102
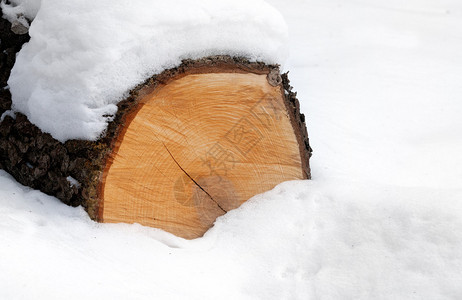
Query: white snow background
380	83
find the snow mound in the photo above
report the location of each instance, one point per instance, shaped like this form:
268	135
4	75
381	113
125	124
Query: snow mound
84	56
320	239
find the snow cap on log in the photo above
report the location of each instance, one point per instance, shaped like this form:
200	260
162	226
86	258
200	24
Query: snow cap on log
85	56
20	11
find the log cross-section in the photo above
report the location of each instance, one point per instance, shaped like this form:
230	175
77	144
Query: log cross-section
198	147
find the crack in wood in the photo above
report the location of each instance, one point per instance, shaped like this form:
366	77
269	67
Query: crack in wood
219	206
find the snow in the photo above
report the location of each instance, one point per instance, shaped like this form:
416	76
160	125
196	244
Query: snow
72	181
381	219
7	113
322	239
20	10
85	56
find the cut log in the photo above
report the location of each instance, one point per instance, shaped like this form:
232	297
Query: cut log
187	146
198	146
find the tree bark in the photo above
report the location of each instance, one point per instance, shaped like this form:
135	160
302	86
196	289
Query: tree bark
213	179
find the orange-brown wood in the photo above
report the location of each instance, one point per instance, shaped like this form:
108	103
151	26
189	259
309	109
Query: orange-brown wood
198	147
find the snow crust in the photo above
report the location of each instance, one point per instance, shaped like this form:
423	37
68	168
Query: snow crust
379	82
84	56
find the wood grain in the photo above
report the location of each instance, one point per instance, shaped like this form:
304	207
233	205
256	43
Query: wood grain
198	147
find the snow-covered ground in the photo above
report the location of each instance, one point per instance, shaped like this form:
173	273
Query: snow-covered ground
380	82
